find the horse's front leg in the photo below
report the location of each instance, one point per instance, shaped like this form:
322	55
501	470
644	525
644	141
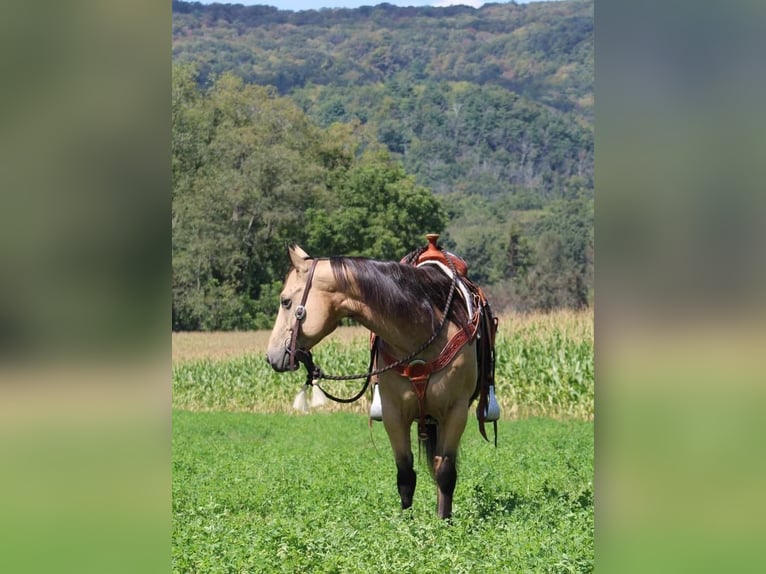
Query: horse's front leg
399	435
445	458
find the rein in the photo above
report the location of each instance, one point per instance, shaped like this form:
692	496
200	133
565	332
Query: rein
314	374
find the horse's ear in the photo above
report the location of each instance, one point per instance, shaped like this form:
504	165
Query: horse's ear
298	257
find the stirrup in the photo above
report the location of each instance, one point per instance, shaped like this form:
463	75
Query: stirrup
492	412
376	410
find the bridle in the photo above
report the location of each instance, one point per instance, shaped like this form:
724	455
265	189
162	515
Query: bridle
300	316
314	374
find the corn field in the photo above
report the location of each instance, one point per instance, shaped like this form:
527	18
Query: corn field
544	367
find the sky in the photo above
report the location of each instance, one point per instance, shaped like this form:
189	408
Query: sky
317	4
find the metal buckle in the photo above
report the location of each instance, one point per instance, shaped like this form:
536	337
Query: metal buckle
300	312
416	370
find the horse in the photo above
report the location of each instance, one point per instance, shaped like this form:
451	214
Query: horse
404	306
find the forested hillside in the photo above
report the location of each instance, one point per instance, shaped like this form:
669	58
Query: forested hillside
484	116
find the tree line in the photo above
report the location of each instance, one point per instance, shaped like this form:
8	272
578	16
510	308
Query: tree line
543	50
252	173
357	131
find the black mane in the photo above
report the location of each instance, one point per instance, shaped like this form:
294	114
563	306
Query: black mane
400	291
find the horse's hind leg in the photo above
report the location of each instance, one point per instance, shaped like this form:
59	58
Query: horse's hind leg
399	436
446	478
405	480
445	468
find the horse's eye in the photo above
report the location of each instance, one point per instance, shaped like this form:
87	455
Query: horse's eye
286	302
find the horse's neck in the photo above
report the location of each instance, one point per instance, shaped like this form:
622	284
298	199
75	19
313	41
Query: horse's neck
401	337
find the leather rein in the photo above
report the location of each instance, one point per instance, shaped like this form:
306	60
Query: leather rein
314	374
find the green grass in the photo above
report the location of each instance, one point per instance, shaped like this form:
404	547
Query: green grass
259	489
289	493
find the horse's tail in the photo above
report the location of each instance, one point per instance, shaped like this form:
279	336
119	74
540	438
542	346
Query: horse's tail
430	444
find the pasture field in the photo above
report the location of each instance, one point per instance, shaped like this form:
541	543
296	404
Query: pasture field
255	492
258	488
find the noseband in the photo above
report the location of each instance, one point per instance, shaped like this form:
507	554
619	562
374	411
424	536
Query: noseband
300	316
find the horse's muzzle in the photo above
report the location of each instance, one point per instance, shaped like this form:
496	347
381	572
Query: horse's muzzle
279	360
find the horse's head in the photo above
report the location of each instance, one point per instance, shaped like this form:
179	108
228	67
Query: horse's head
313	323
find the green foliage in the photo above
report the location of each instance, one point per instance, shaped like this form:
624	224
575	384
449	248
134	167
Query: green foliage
541	49
277	493
251	173
489	109
458	136
534	258
375	210
546	370
564	252
245	163
474	100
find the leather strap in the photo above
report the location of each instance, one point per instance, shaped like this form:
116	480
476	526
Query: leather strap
419	372
300	315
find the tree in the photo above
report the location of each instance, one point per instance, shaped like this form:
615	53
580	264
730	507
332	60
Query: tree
518	255
375	210
251	173
562	274
246	163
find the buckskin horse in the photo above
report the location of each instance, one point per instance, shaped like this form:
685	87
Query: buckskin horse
432	347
